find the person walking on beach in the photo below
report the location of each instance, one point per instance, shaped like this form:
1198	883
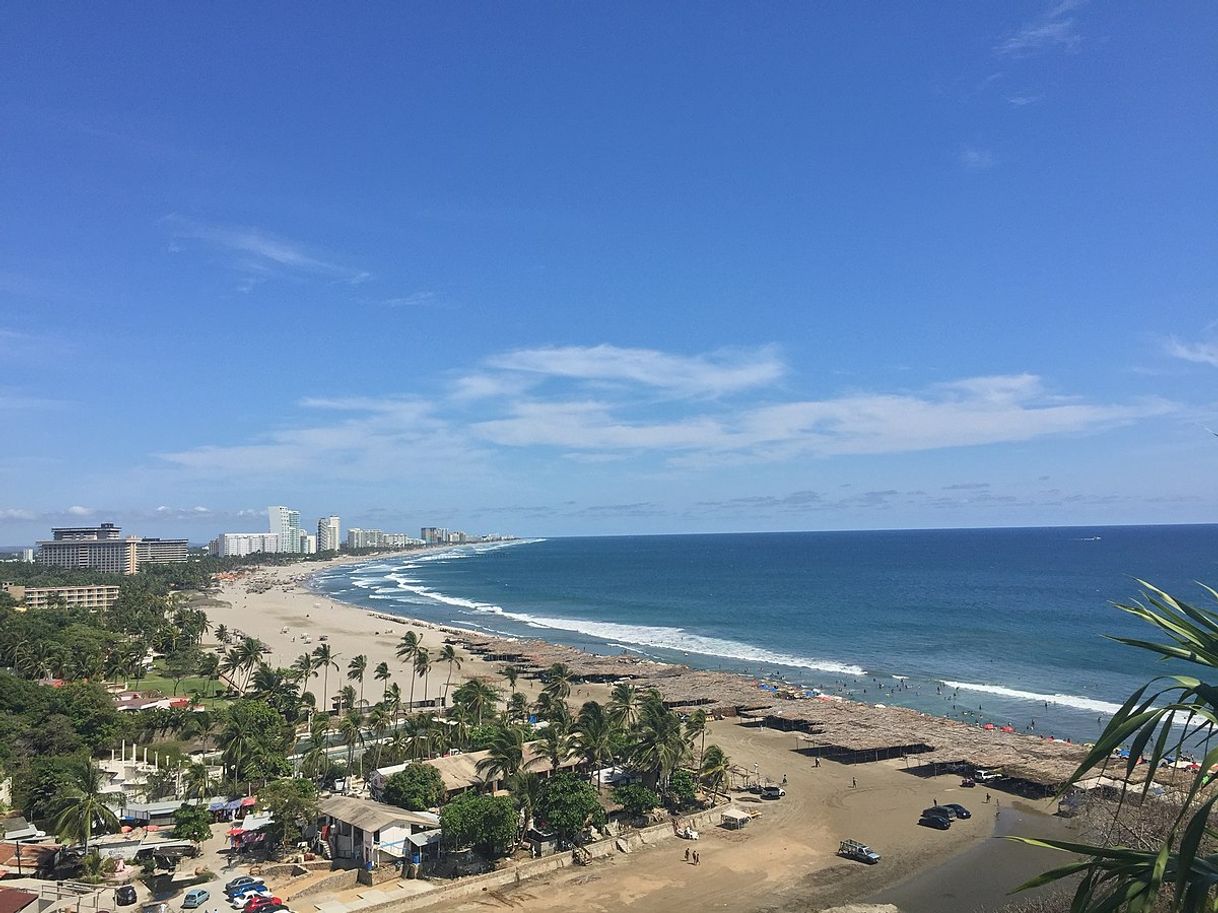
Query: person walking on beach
687	854
853	783
987	798
697	858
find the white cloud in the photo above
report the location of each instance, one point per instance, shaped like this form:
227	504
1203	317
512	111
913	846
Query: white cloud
262	255
77	511
1204	353
601	418
1022	101
1054	28
976	159
16	513
711	374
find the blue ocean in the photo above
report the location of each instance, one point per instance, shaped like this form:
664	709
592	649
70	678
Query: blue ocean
994	625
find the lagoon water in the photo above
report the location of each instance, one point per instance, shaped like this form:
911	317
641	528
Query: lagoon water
994	625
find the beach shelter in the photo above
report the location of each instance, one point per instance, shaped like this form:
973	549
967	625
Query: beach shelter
735	818
989	727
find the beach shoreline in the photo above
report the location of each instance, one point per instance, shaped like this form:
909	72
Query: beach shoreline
789	853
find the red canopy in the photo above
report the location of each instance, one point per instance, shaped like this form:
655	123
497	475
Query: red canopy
988	726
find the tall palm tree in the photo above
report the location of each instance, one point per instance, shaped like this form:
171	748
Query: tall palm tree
83	806
660	743
504	756
555	745
512	674
222	633
594	736
346	696
558	681
477	697
517	710
378	722
303	668
408	646
313	763
351	734
525	787
196	782
422	667
448	654
355	672
382	674
624	704
325	658
393	701
715	770
209	668
695	726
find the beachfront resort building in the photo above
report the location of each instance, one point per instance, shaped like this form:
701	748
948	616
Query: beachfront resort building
308	544
39	597
329	534
104	548
285	523
375	538
238	545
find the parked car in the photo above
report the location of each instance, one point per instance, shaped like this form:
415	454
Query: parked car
943	811
961	812
246	891
861	852
772	792
240	882
987	776
240	900
195	897
124	895
259	902
938	822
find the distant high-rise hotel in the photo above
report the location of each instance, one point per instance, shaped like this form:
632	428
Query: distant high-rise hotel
285	523
103	548
329	534
238	545
434	535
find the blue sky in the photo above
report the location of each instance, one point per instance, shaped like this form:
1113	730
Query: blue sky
570	268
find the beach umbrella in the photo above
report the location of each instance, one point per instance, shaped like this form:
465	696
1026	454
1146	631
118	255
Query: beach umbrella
989	727
1008	728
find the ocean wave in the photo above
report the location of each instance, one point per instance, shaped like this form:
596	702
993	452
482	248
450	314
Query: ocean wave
1066	700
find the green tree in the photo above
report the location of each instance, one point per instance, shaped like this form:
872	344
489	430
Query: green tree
505	756
292	802
681	791
183	664
191	822
477	698
568	804
356	669
416	788
254	740
449	655
594	736
716	770
558	681
82	806
636	800
1164	716
422	667
382	674
490	824
407	648
325	658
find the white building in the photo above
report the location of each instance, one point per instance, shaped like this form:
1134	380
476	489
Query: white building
308	544
329	534
237	545
285	523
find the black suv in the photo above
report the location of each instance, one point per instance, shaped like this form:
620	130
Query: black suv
932	818
124	895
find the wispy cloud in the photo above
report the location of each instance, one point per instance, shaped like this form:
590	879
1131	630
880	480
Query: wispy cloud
1054	28
711	374
637	413
1205	353
413	300
976	159
259	254
1022	101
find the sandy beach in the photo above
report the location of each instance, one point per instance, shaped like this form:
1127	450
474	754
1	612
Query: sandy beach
783	860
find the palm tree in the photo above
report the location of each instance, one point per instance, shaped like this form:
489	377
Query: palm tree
504	756
624	704
695	725
448	654
196	782
83	806
517	709
715	770
594	736
408	646
1176	876
525	787
558	681
393	701
422	667
476	697
314	761
355	672
352	735
555	745
378	722
346	695
222	633
209	668
382	674
660	744
303	668
553	710
511	673
325	657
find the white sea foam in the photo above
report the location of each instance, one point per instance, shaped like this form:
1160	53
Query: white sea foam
1066	700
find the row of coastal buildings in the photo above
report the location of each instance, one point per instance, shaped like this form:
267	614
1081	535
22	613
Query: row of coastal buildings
285	535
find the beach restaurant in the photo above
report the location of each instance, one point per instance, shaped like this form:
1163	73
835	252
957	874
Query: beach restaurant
376	833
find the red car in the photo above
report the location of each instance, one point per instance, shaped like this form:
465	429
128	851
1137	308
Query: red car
257	903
